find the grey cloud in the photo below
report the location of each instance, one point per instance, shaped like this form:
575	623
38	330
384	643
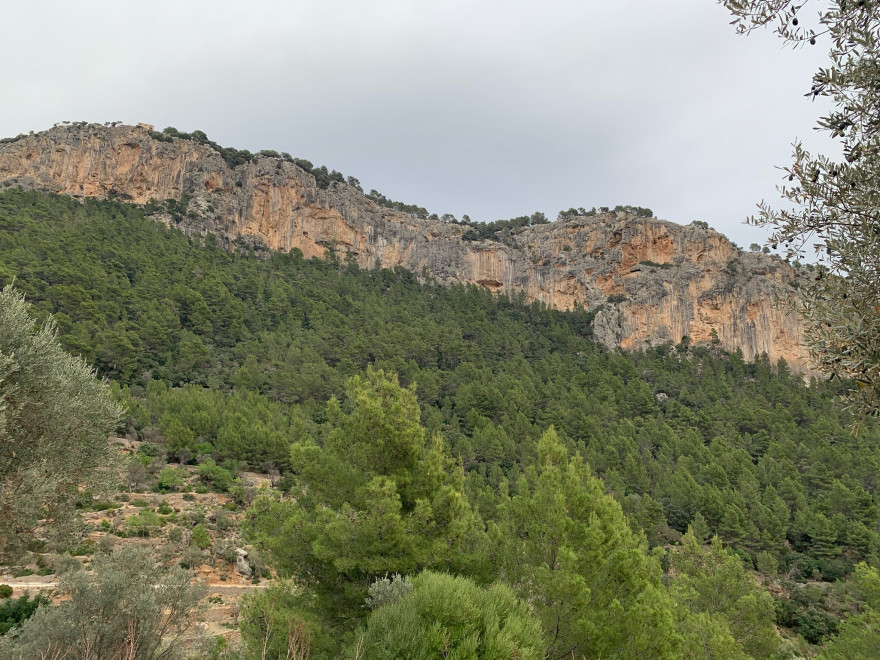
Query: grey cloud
488	108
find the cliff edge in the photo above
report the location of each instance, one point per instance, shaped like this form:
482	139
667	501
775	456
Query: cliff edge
652	281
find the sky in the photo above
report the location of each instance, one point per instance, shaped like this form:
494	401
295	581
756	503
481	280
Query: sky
488	108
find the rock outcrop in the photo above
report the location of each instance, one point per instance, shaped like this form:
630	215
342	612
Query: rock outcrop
241	563
652	281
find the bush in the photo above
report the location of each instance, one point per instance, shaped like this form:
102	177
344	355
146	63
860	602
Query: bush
817	626
445	615
200	537
224	521
126	602
14	612
5	591
149	449
224	549
385	591
81	549
106	544
275	623
191	558
212	474
144	523
170	478
241	494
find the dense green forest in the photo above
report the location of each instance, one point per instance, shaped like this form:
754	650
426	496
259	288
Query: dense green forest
416	428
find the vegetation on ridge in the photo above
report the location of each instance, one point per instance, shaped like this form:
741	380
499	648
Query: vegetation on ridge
496	230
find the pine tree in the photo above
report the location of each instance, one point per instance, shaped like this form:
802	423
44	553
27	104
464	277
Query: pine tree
859	636
711	581
377	497
566	547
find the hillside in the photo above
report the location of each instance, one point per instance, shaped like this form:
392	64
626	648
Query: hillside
648	281
232	361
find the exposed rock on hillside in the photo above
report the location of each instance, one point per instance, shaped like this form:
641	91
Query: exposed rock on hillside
655	280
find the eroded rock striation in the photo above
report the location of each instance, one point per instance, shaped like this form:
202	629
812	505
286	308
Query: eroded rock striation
652	281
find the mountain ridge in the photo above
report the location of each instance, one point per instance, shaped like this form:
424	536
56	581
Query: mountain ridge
650	281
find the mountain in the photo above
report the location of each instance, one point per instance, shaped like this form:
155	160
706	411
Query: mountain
650	281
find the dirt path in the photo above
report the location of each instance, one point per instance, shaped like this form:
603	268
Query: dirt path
20	585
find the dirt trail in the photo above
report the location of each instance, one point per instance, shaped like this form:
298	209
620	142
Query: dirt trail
29	583
21	585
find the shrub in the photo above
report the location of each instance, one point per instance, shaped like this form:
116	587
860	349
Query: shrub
170	478
149	449
212	474
106	544
224	521
224	549
126	602
241	494
200	537
14	612
385	591
5	591
81	549
445	615
191	557
144	523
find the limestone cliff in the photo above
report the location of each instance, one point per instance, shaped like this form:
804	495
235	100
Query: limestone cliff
655	281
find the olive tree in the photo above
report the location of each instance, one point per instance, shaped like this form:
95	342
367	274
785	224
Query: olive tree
55	416
126	606
833	203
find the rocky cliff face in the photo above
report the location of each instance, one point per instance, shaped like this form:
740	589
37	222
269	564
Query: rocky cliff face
655	281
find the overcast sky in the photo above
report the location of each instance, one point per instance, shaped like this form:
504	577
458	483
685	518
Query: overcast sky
488	108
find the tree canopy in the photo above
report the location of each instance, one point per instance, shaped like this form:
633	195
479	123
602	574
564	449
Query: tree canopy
405	428
55	418
565	546
126	606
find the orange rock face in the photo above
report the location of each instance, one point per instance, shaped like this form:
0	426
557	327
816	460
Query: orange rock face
666	281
